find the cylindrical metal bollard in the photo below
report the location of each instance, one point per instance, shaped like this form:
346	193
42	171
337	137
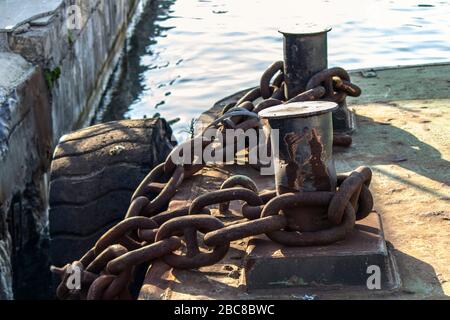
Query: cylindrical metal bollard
305	54
302	151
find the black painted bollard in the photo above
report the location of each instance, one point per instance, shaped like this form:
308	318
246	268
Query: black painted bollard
305	55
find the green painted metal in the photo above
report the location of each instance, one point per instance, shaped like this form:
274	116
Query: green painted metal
429	81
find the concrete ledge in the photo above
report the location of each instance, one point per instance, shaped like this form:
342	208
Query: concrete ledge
25	145
52	80
67	56
13	14
25	130
13	68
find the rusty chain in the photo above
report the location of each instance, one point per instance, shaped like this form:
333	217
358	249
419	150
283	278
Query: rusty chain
149	232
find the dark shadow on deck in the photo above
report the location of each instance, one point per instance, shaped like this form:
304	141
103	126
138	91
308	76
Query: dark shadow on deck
379	143
419	279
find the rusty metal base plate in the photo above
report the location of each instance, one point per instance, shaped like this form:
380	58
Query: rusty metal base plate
270	265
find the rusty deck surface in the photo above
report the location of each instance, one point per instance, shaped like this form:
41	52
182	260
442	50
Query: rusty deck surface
406	143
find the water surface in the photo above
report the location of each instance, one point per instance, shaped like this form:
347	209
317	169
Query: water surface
184	55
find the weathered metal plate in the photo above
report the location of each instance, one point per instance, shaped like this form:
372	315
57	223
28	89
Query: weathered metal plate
270	265
298	109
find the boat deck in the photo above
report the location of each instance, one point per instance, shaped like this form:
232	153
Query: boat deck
406	144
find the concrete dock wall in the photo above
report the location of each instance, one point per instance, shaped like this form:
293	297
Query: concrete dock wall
52	77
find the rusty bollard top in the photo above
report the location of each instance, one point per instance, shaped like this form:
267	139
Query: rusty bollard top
304	29
298	110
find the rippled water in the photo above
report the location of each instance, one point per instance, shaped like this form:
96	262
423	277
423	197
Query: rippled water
184	55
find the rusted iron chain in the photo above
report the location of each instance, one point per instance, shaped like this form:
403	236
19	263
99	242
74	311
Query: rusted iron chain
62	291
190	226
328	78
332	84
297	200
98	288
266	91
113	263
144	254
224	196
349	187
362	199
102	259
278	80
155	175
250	96
347	87
310	95
149	232
163	217
166	194
254	212
271	102
234	181
119	284
120	230
244	230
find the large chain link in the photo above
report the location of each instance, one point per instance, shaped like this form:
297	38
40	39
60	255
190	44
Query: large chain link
148	232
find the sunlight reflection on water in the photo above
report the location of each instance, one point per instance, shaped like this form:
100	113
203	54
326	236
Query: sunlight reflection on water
197	52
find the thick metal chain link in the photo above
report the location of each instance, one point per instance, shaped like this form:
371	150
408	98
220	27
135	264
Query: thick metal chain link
148	232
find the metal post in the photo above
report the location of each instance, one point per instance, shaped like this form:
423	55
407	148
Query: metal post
302	149
305	54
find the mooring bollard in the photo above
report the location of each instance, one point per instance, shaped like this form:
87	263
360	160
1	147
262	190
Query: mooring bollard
305	55
302	149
